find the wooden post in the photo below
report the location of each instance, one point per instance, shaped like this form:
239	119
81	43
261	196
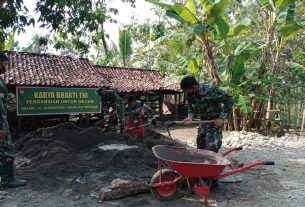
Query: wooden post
87	120
148	103
19	126
176	108
303	120
80	120
161	99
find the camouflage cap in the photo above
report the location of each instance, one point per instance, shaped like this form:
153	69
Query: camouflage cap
3	58
100	90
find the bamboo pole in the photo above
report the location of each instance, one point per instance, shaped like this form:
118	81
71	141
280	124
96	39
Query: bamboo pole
176	108
303	120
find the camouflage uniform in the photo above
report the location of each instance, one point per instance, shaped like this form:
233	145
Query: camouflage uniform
6	153
207	103
111	99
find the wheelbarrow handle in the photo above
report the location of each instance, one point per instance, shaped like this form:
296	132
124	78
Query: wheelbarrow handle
268	163
244	168
232	150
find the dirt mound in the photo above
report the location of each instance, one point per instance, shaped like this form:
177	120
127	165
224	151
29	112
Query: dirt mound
85	160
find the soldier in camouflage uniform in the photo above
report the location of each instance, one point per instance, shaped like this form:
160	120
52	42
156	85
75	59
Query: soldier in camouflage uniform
109	98
210	103
6	153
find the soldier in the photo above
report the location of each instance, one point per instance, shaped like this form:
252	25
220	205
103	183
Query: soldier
110	99
210	103
135	110
6	153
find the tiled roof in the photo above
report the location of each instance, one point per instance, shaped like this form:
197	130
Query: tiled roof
130	79
32	69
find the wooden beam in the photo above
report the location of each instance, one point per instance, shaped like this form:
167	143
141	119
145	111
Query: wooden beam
19	125
87	120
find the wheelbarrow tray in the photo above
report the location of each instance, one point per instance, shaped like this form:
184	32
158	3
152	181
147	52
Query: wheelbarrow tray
192	163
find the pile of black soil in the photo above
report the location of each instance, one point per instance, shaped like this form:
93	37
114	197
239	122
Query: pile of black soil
85	160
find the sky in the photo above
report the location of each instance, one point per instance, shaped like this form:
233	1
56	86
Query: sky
141	12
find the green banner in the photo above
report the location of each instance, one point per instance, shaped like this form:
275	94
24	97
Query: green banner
38	101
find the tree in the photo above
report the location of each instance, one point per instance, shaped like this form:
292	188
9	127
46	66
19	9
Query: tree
13	18
125	43
38	45
81	21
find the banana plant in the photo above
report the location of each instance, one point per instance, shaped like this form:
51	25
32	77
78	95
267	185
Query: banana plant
125	43
211	25
9	45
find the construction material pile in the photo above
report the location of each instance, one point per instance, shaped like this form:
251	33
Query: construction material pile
87	161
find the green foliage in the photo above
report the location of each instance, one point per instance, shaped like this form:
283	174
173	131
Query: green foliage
177	11
244	24
243	103
193	66
289	29
297	70
13	17
238	69
190	4
158	30
10	43
125	45
38	45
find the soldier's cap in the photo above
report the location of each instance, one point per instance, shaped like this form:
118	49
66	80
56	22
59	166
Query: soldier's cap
100	90
3	57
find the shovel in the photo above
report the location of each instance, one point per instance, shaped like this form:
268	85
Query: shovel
171	123
143	125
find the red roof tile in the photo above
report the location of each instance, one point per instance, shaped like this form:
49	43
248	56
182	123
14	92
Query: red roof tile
32	69
131	79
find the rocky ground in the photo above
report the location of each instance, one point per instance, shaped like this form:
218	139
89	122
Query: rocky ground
68	166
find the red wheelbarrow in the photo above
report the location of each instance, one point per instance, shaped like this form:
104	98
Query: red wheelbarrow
198	167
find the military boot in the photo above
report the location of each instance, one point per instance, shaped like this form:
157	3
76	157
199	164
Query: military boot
7	176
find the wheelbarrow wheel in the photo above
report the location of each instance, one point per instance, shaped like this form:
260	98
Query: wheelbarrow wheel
165	193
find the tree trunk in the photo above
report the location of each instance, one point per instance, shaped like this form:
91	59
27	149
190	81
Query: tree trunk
1	3
209	60
261	73
235	119
104	42
274	72
103	31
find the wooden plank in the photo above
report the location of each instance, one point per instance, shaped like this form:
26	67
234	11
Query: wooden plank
87	120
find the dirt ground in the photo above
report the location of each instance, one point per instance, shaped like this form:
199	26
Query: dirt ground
55	183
